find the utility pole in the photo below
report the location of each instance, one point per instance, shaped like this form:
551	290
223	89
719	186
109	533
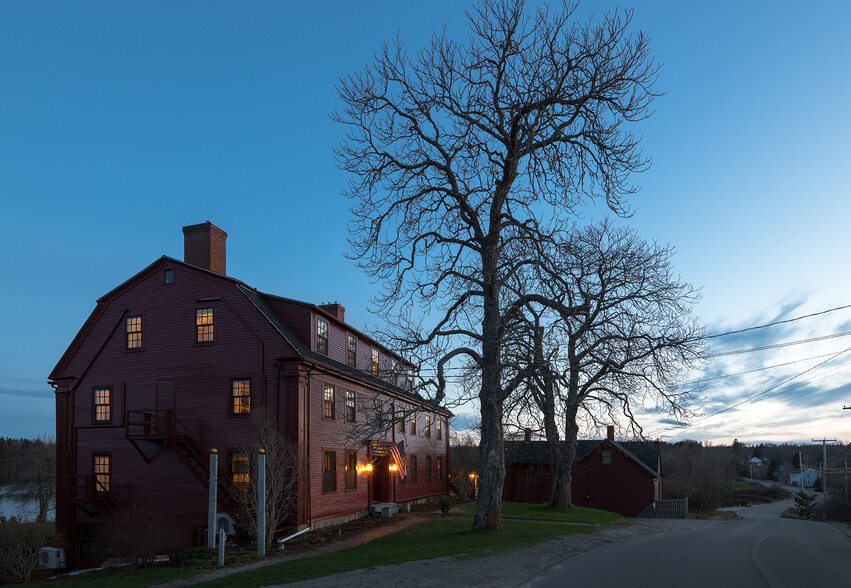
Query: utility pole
801	465
824	472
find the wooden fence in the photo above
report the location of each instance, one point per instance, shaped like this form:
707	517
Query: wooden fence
671	508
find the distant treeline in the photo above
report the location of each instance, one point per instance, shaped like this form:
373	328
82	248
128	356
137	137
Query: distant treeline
15	451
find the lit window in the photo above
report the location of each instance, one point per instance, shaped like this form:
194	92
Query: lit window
240	396
351	471
321	336
607	456
350	406
394	373
328	411
438	425
413	469
428	468
133	332
168	277
203	325
103	473
427	429
374	365
379	412
103	408
329	472
352	351
239	470
413	421
439	469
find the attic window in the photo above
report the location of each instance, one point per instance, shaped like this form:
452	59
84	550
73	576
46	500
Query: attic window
133	332
204	325
168	277
607	457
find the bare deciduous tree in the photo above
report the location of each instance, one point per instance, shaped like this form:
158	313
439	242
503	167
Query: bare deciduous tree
458	153
626	352
32	471
283	462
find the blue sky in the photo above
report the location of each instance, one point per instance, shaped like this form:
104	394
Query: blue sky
120	123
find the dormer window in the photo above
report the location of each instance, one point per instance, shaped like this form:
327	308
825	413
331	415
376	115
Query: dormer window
352	351
133	332
321	336
374	365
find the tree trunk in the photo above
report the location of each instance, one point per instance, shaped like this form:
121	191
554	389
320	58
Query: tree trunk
491	446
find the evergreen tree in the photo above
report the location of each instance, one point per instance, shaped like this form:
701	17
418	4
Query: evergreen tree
805	505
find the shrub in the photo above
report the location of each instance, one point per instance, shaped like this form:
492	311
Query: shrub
19	546
197	556
445	503
137	535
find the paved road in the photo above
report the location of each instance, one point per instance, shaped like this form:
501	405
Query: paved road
759	550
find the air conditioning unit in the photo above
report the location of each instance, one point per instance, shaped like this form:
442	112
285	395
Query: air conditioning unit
52	558
223	521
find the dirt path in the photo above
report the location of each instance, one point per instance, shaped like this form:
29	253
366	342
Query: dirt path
405	520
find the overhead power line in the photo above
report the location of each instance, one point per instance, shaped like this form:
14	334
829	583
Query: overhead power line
775	323
779	345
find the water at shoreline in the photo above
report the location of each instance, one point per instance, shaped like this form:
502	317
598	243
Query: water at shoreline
12	505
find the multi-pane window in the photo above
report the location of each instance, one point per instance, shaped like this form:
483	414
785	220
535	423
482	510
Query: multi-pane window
204	325
239	470
373	366
427	429
329	471
103	472
351	470
394	372
438	425
240	396
321	336
133	332
400	415
439	469
103	407
350	406
352	350
328	411
607	457
413	421
428	468
413	469
379	412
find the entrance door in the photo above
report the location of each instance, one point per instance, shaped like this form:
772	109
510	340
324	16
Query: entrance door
382	488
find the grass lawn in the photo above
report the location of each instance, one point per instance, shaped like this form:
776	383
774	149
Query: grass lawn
124	577
539	512
742	485
434	538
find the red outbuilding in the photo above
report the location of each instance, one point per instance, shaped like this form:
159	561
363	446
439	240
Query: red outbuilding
620	476
181	359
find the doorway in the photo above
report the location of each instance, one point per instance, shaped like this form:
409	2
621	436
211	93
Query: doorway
382	486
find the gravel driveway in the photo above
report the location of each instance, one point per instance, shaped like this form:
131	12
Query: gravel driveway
510	568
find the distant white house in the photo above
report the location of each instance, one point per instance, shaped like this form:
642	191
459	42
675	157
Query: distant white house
810	477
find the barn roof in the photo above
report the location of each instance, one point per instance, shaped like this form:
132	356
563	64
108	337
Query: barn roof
644	453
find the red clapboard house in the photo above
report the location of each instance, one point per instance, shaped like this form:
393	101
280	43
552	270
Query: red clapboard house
175	361
621	476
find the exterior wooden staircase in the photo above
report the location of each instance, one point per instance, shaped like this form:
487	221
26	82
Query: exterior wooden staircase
164	428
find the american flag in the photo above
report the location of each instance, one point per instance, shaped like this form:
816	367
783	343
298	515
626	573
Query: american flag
400	462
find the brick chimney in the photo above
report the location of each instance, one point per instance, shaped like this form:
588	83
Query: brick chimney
204	246
610	432
336	309
527	434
